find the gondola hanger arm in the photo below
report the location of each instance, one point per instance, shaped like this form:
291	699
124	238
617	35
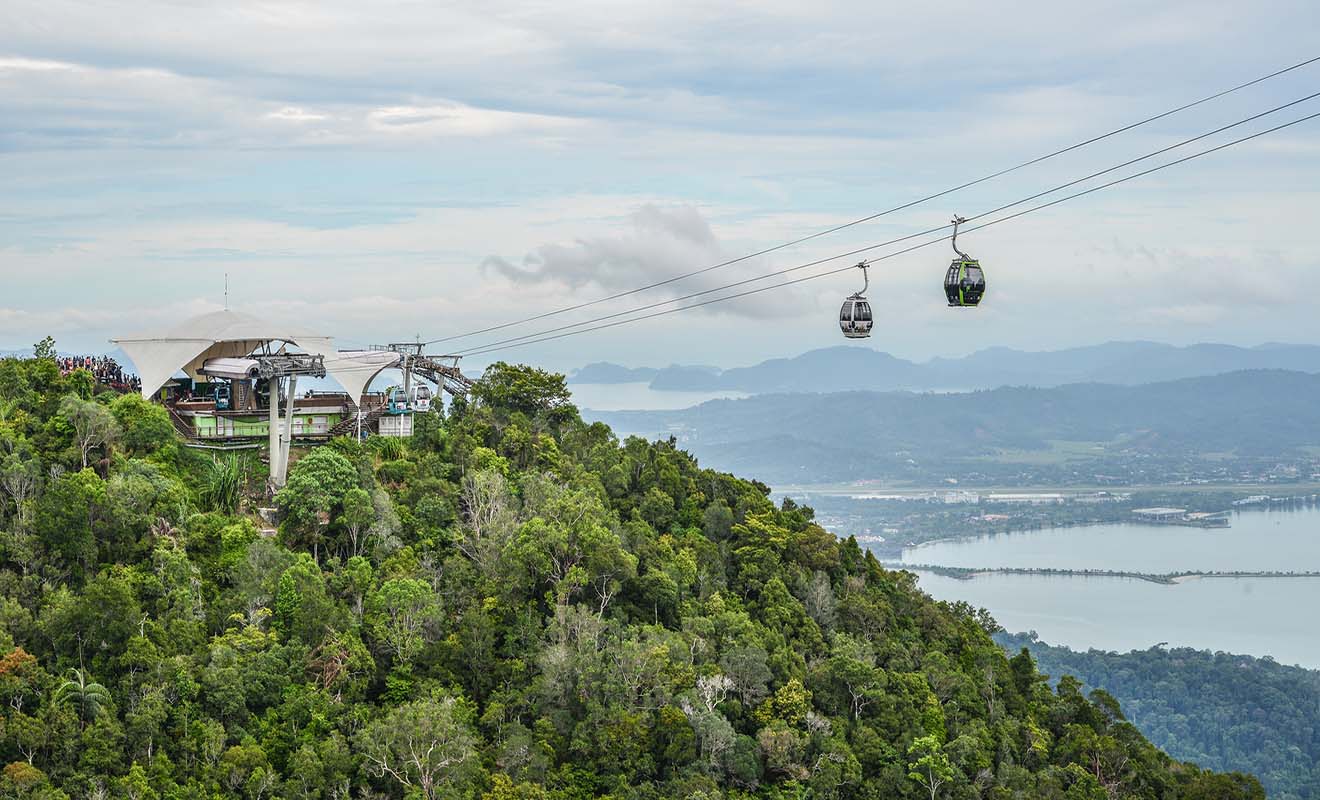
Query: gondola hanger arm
957	220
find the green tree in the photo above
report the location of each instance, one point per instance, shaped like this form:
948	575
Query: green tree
69	514
570	544
93	424
397	614
357	517
313	494
928	766
303	609
45	349
20	477
428	747
135	785
852	666
87	697
536	393
145	427
490	518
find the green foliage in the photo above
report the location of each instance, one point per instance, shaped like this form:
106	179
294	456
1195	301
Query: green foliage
514	606
313	496
92	423
1222	711
45	349
145	427
515	388
223	482
68	516
428	746
398	613
87	697
928	766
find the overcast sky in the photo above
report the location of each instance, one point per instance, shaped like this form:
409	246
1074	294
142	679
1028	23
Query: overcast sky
390	169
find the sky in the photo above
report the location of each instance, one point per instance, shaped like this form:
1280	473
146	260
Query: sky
386	171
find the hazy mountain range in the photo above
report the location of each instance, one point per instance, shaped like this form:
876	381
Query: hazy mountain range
847	435
845	368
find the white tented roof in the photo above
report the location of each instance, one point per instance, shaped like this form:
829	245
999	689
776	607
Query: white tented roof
355	369
220	334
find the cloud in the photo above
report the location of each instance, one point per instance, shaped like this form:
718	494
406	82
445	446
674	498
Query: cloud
456	119
296	114
335	159
662	242
658	244
63	104
34	65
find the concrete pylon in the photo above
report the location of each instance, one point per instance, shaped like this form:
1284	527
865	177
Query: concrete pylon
287	434
276	474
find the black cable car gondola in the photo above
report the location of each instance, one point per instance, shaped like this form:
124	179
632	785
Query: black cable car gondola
855	315
964	283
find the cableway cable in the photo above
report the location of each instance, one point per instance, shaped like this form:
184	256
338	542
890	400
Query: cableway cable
899	240
928	243
886	212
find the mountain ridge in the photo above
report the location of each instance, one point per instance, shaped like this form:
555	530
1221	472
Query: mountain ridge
844	367
865	434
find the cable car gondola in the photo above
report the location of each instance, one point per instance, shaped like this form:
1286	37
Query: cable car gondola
396	401
964	283
855	315
420	397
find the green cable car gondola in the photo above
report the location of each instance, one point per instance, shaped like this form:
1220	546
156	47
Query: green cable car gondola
964	283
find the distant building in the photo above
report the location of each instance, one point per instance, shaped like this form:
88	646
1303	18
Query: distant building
1027	498
919	497
1160	513
961	498
1102	497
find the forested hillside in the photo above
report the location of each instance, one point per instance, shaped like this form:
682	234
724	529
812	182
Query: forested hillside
1222	711
512	605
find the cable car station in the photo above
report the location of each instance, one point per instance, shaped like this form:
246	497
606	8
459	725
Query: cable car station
237	384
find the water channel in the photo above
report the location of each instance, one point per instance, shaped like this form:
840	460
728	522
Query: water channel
1259	616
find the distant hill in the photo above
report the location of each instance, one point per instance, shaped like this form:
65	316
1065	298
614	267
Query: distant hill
847	435
679	378
605	372
1219	710
849	367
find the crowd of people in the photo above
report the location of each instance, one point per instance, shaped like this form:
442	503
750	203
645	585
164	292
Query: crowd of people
105	369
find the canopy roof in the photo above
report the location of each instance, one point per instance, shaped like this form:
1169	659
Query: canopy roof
219	334
355	369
